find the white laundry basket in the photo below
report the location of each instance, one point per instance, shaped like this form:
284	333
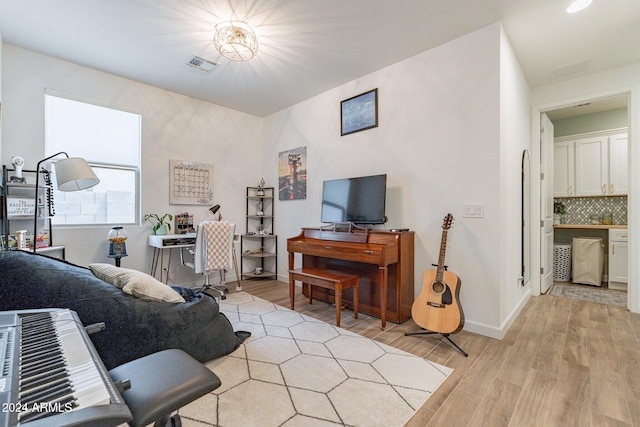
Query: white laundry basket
588	260
561	262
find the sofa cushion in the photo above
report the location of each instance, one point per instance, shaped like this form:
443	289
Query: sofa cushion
135	282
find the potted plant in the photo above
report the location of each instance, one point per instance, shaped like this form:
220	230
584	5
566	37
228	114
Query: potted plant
162	223
558	211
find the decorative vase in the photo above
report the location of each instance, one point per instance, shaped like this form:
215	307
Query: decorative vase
162	230
557	218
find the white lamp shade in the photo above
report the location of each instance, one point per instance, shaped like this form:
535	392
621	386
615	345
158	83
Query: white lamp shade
74	174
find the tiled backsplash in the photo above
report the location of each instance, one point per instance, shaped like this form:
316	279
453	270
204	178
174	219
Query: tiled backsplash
579	209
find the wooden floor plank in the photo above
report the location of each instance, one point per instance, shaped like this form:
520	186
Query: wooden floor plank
497	405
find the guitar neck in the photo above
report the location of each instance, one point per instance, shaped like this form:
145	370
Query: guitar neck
443	249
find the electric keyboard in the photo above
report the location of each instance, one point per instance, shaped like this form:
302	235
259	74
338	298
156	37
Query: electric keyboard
50	373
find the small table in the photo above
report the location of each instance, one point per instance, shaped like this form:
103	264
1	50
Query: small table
167	241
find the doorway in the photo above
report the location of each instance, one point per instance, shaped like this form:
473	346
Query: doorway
582	120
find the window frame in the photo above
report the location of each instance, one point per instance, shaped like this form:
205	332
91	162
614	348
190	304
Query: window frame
136	169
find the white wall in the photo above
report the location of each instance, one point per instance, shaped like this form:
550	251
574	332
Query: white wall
515	125
598	85
173	127
440	141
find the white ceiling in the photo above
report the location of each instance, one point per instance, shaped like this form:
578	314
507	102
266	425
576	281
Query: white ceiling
307	47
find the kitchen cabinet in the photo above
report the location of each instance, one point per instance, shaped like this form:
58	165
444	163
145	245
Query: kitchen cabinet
618	165
592	158
564	169
591	165
618	259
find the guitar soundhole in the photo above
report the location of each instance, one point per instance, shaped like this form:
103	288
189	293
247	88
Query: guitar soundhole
438	287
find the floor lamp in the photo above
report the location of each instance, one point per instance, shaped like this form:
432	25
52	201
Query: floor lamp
72	174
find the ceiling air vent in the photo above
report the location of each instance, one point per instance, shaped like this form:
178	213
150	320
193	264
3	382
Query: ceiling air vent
202	64
570	70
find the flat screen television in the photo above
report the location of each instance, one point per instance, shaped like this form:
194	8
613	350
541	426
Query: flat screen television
358	200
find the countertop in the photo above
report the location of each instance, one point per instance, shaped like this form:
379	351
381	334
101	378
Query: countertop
591	227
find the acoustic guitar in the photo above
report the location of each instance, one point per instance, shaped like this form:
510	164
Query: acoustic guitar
437	307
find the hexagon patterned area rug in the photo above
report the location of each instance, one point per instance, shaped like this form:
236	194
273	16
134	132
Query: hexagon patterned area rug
298	371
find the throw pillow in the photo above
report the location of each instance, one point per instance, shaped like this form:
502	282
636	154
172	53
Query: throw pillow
135	282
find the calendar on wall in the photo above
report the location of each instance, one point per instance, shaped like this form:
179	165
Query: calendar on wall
191	183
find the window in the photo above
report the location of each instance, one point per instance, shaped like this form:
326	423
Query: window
109	139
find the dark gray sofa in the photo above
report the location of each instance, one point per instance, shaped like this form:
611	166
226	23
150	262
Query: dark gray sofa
134	327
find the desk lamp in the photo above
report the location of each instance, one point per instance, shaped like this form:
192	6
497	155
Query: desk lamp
72	174
214	210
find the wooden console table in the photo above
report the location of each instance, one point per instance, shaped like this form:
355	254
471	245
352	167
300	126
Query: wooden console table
382	259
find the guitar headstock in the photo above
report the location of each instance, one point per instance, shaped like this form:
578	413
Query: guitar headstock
447	222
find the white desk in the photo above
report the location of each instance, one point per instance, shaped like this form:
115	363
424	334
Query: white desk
167	241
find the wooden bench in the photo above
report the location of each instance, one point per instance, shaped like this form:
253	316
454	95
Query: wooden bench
329	279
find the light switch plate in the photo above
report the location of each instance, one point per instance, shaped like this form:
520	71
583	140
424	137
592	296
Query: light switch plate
473	211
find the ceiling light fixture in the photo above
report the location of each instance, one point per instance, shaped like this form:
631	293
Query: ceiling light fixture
578	5
236	41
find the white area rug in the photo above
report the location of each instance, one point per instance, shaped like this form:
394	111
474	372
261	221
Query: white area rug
298	371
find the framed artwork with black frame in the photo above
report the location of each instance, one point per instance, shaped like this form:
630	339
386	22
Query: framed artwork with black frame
359	112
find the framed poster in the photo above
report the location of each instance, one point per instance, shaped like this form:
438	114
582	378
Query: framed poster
292	174
20	206
190	183
359	112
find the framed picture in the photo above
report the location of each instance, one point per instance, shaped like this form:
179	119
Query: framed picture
292	174
191	183
20	207
359	113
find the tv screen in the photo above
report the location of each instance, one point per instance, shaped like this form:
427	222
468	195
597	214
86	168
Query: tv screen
358	200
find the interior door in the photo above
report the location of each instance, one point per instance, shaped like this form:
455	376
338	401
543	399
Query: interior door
546	203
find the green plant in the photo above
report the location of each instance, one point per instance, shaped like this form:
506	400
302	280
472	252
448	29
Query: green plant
159	221
558	208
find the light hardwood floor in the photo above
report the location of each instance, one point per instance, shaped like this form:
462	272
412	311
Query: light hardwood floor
563	362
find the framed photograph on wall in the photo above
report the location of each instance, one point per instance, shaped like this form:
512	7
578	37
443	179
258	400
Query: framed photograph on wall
292	174
359	112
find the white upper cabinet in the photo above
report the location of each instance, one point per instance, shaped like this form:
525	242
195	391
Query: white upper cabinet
563	169
593	165
592	171
618	165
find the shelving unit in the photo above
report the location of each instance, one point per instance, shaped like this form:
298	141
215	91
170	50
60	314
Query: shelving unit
259	246
19	206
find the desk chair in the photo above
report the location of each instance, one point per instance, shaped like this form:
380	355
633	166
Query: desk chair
213	251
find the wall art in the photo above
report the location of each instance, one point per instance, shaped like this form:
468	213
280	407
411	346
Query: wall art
359	112
292	174
190	183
